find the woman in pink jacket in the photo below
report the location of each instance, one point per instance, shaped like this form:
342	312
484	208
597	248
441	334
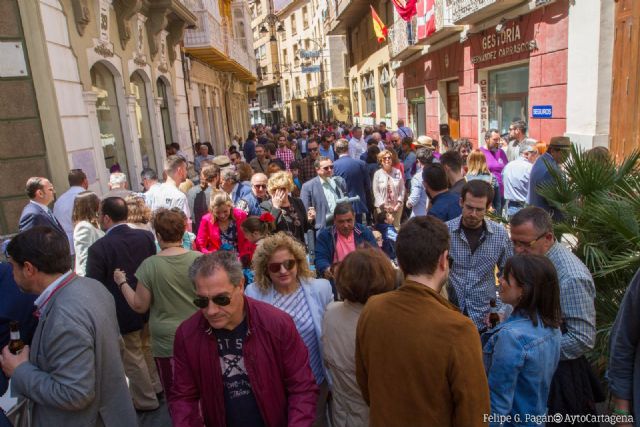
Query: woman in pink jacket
221	229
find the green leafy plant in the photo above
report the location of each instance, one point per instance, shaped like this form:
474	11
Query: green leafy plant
600	201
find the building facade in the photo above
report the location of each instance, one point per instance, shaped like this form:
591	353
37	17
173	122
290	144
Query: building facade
492	62
371	80
92	84
222	70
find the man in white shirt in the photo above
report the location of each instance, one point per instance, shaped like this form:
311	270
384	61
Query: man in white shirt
517	136
515	177
150	183
63	209
357	145
168	195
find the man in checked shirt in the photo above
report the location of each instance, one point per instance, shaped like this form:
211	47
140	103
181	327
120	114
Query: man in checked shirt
478	247
573	389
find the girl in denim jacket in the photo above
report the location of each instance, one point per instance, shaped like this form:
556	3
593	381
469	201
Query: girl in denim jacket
522	353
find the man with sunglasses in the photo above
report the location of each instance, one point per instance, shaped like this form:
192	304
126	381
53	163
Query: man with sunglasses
532	233
479	246
251	202
323	192
238	361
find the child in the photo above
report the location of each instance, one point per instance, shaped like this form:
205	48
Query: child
255	229
384	224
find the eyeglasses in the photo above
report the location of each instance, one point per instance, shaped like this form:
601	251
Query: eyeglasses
259	186
518	243
288	265
313	150
384	159
327	168
450	259
219	300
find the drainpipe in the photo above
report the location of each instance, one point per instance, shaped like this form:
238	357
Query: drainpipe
187	76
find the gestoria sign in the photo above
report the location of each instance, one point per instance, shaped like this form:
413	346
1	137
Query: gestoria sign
509	41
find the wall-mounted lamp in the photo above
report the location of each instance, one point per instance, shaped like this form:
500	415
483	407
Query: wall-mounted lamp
500	25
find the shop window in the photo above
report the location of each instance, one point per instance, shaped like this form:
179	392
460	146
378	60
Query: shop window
417	110
143	125
108	113
385	87
508	96
165	115
368	90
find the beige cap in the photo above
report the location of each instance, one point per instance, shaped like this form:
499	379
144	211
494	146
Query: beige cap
222	161
425	141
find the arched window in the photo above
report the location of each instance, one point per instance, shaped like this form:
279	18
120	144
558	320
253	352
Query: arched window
143	123
164	111
103	84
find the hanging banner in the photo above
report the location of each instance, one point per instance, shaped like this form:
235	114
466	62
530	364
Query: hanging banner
406	8
426	18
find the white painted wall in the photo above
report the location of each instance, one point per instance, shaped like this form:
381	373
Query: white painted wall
589	74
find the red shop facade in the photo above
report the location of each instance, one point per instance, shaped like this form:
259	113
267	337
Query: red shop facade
495	76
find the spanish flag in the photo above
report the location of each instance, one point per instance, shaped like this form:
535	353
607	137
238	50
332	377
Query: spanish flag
378	26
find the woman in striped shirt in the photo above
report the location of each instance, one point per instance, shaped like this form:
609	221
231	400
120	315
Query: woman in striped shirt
283	279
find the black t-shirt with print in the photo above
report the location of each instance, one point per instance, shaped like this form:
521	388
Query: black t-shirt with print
240	404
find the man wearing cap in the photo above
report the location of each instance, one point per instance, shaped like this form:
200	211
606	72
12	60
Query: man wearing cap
558	153
515	178
222	161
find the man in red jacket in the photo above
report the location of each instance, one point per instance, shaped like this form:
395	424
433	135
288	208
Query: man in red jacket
238	361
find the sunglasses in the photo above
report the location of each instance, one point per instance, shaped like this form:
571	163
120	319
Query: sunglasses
327	168
313	150
450	259
219	300
288	265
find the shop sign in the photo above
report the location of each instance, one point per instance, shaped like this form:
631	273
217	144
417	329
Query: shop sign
484	104
542	112
506	43
310	69
310	53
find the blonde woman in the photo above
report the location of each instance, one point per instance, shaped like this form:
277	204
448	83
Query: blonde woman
85	227
288	211
221	227
138	213
478	169
388	187
284	280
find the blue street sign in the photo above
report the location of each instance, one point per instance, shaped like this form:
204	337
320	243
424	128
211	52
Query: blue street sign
542	111
310	69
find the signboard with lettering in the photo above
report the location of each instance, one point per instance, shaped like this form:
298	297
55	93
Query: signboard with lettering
310	69
512	40
542	111
310	53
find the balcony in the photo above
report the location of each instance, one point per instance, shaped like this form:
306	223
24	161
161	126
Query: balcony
473	11
211	43
402	39
445	26
347	14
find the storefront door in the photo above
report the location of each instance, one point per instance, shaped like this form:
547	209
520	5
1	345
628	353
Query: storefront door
453	109
417	112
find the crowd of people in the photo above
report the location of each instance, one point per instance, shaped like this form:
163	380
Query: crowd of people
314	274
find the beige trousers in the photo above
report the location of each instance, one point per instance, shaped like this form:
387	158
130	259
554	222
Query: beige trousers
140	369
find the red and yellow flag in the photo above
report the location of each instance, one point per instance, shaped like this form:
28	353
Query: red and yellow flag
378	26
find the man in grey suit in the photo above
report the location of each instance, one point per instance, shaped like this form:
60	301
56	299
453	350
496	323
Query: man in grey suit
72	374
323	192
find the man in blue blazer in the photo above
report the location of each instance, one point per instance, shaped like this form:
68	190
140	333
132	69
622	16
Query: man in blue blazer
41	193
322	192
355	174
125	248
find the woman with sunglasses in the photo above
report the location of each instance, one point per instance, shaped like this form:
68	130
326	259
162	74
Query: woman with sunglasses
163	288
522	353
284	280
388	187
288	211
362	274
221	228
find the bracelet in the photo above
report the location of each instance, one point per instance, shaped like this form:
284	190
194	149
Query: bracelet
621	411
120	285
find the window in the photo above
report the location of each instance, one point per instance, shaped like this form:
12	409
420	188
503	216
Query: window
385	87
297	84
368	89
305	17
508	96
287	92
259	7
354	94
293	24
285	57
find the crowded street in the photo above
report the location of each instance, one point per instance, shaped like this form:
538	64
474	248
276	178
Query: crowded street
319	213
